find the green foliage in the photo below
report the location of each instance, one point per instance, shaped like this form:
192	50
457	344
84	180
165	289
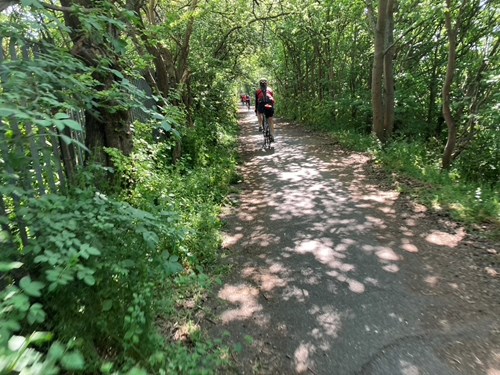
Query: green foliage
85	290
418	164
193	188
101	268
203	359
412	159
98	259
481	161
355	141
20	353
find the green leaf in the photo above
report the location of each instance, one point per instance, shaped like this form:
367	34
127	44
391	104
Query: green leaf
40	337
6	111
151	239
127	263
11	325
31	288
65	138
136	371
86	250
6	267
56	351
95	24
36	314
172	266
93	251
17	343
72	124
107	305
41	259
106	367
59	124
44	123
166	126
61	116
34	3
176	134
80	144
20	301
117	73
4	236
89	280
73	361
248	339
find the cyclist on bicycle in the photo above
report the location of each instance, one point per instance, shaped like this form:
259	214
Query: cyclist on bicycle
264	105
247	101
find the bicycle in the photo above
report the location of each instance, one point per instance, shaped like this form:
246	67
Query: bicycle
266	130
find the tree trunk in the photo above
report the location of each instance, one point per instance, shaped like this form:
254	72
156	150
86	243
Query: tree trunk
433	90
389	73
105	125
377	72
450	72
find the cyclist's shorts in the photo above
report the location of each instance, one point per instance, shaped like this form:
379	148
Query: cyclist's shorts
269	112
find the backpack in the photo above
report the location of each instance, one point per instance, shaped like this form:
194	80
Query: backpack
266	98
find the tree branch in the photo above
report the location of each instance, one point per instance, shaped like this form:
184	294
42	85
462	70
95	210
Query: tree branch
4	4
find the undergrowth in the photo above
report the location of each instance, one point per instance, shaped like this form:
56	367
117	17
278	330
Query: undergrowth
102	272
472	203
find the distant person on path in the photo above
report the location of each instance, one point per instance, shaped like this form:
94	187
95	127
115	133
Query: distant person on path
247	101
264	105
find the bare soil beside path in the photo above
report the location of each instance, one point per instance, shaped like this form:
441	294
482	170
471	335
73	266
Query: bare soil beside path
335	272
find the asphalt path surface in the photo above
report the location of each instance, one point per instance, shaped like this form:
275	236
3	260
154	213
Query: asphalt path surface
334	274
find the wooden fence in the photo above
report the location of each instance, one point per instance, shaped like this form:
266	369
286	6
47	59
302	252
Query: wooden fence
35	160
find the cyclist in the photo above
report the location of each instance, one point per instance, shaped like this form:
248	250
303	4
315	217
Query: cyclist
264	105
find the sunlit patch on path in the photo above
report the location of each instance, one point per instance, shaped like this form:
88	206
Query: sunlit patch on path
244	298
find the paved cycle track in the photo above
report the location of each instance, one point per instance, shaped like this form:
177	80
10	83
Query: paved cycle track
333	272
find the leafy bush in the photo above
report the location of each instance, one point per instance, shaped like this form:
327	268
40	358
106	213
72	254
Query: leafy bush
95	262
19	349
194	187
481	160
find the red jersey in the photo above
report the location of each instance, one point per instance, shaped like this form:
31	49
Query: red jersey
267	98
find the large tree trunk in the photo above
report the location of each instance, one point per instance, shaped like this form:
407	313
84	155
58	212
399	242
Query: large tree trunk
377	72
450	72
105	126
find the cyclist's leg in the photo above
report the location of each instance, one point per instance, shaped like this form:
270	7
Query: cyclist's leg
267	131
270	116
271	128
260	115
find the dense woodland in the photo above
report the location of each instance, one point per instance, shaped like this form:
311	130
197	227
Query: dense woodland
118	148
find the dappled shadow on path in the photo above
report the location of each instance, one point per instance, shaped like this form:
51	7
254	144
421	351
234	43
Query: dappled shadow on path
318	251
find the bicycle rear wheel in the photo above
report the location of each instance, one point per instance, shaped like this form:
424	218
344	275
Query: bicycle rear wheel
267	134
